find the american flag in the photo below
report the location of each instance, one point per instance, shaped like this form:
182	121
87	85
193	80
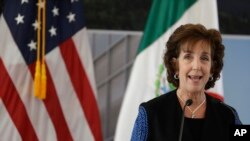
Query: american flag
70	110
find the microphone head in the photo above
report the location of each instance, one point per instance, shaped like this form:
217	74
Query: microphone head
189	102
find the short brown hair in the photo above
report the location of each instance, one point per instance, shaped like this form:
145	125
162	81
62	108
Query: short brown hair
192	33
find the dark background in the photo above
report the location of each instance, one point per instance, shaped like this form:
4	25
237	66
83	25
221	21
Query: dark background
234	15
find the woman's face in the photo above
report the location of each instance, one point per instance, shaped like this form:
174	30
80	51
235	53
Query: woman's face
194	66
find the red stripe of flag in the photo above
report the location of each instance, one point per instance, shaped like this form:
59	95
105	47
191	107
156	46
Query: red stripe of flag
82	87
54	108
216	95
15	106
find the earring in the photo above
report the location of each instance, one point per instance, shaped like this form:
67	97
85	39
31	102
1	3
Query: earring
176	76
211	78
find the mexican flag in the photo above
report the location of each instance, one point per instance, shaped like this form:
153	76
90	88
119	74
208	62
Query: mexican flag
148	75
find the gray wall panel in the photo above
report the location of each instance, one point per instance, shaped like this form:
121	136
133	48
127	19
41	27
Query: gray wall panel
236	75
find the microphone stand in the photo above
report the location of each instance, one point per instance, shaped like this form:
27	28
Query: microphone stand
188	103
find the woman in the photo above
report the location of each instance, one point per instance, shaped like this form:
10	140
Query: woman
194	60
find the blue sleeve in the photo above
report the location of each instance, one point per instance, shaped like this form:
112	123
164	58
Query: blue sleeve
140	130
236	116
237	119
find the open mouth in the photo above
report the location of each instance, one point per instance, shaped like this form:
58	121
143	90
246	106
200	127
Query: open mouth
194	77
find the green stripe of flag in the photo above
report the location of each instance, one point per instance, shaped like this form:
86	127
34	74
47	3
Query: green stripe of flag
163	14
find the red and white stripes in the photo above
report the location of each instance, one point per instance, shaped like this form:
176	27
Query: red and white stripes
69	112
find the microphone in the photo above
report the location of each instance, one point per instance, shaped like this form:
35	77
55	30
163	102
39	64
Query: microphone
188	103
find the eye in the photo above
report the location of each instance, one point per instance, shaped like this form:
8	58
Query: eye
205	58
188	56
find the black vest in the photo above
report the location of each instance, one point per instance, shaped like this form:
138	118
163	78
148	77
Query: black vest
164	117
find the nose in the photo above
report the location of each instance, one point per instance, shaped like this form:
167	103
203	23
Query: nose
196	64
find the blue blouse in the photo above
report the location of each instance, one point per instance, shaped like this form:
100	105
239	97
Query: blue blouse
140	130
